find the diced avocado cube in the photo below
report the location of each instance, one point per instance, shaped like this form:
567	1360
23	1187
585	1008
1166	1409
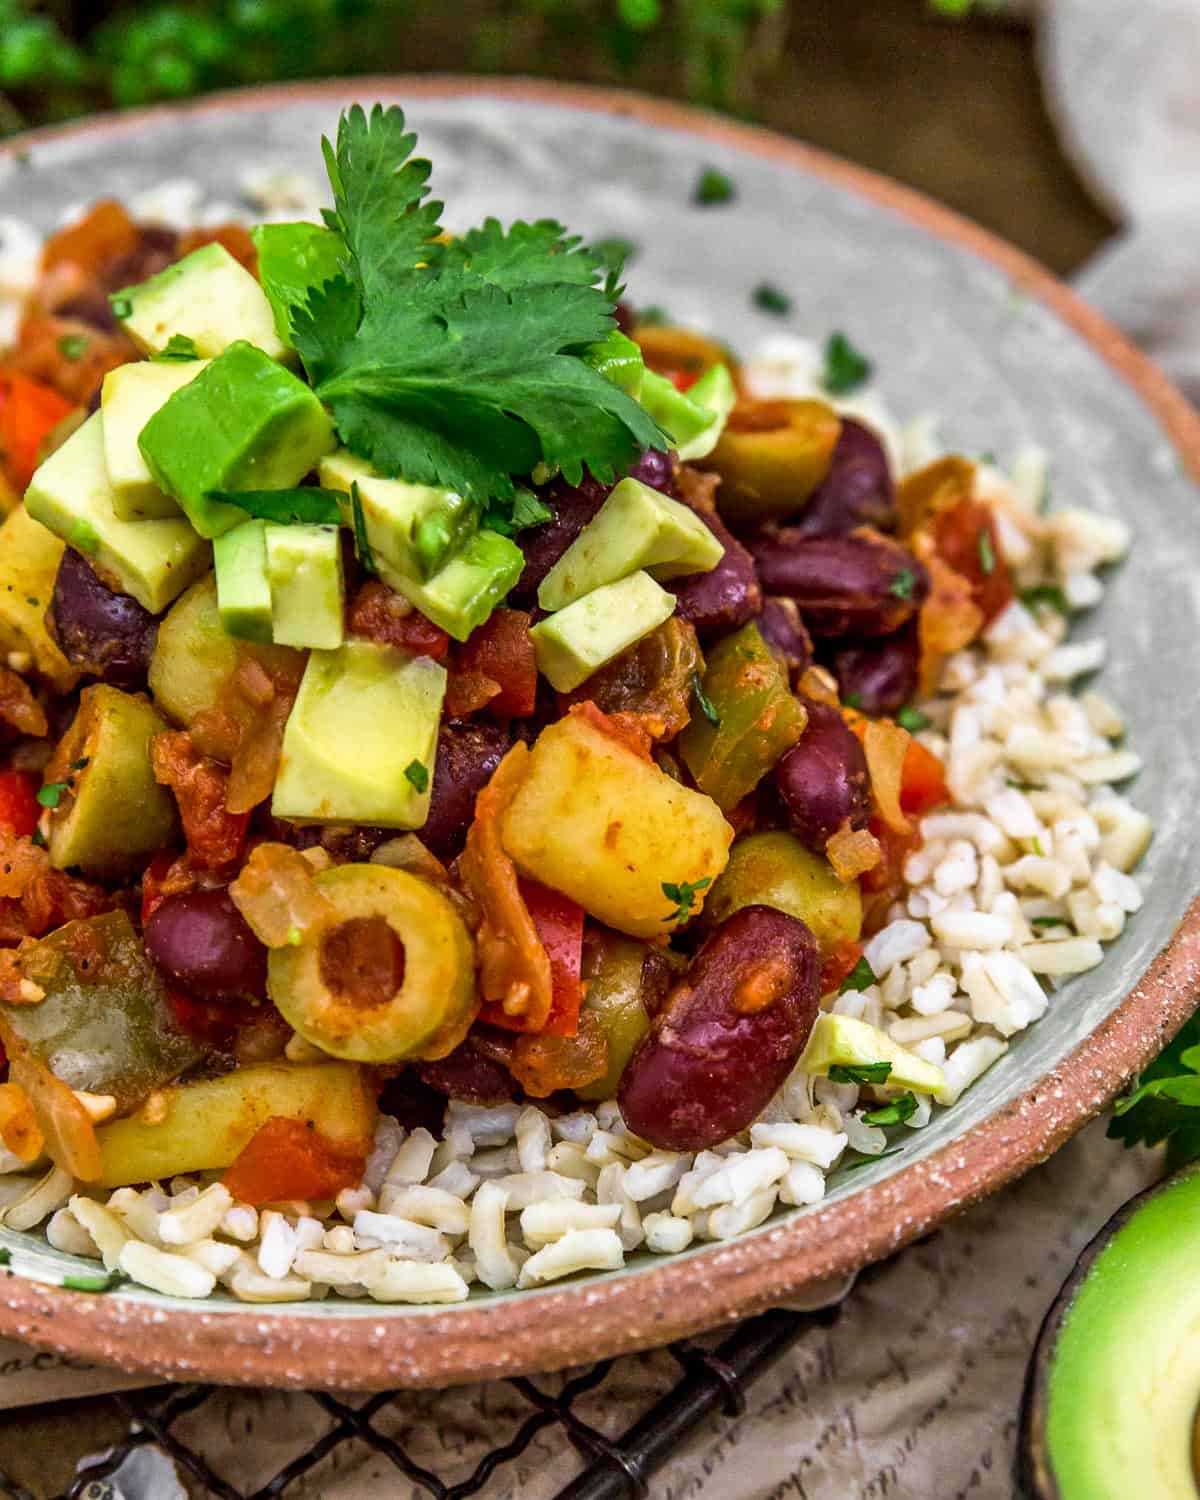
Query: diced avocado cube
308	594
151	560
294	259
618	359
244	423
694	418
855	1044
360	741
207	297
577	641
636	527
463	594
243	588
130	396
416	528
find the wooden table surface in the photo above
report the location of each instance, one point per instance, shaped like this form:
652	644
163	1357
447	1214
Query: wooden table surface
952	109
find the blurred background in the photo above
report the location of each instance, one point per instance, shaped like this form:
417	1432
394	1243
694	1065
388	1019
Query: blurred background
941	94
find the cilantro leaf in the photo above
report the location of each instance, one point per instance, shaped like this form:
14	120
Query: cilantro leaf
703	702
417	773
527	511
860	977
1046	593
1160	1105
74	345
896	1112
308	507
987	558
865	1161
378	193
770	299
684	896
464	384
713	186
525	255
912	719
179	347
50	795
845	368
362	542
903	584
876	1072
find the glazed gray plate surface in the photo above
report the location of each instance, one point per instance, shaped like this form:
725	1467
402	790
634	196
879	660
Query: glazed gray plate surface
950	333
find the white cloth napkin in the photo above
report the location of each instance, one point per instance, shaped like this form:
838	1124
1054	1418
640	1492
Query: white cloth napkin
1122	82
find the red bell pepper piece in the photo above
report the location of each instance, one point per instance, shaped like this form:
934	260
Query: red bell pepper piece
839	961
286	1159
29	412
495	668
922	780
966	538
19	810
559	923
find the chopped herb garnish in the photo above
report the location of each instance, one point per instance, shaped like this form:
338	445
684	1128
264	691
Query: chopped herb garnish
362	542
770	299
987	557
903	584
38	839
32	602
853	700
417	774
1162	1104
893	1113
306	507
1021	786
865	1161
5	1255
653	316
294	937
845	368
713	186
458	364
704	702
74	345
527	510
51	794
1046	593
104	1283
1041	922
876	1072
178	348
912	719
684	896
614	252
81	764
121	306
860	977
1037	846
988	458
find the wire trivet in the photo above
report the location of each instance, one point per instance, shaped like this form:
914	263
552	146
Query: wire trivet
712	1380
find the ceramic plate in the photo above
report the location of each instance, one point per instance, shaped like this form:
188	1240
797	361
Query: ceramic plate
958	324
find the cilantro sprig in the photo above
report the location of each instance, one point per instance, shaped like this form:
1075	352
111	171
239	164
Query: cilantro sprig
845	367
1163	1104
683	894
459	364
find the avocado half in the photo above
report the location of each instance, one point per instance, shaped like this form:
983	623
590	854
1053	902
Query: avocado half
1111	1396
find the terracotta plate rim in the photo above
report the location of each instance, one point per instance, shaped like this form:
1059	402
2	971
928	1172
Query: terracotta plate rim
671	1299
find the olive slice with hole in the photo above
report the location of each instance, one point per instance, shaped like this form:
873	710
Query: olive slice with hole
392	976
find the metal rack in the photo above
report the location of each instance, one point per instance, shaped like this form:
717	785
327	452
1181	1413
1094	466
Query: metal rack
712	1379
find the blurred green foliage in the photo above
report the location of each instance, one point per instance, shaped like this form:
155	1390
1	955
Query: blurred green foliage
55	61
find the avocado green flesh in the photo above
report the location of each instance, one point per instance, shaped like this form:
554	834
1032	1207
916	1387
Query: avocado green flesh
1124	1375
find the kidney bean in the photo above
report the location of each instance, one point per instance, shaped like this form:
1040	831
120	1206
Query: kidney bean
467	754
879	677
657	470
573	507
783	630
727	1035
108	635
203	942
467	1074
857	491
823	779
862	585
725	598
